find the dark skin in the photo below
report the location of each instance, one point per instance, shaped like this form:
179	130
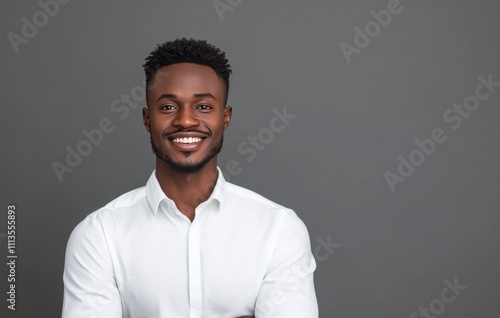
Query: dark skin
187	100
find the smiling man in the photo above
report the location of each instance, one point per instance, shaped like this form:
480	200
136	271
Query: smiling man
189	243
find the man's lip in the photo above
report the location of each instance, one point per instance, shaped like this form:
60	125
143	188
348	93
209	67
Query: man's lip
193	146
186	135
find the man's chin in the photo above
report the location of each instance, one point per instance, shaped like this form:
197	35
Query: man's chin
187	165
186	168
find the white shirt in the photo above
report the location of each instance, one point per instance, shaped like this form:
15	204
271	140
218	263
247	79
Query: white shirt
139	256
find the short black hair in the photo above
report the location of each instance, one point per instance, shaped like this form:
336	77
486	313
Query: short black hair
188	51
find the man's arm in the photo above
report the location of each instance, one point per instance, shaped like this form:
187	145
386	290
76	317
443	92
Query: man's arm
89	284
288	287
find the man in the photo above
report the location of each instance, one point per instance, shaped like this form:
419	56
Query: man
189	244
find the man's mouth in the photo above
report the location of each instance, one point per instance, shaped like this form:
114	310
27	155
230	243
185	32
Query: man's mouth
184	142
187	140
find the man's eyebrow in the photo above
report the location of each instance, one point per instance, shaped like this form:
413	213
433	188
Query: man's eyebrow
204	95
166	96
197	96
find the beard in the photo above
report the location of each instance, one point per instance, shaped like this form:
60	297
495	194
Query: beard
187	167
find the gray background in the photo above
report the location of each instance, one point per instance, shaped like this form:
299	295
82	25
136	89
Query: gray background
394	249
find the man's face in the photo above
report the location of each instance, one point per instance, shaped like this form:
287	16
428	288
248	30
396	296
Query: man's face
186	115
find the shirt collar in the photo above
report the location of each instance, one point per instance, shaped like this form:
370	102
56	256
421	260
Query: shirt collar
155	194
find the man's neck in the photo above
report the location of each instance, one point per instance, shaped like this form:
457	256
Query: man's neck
187	190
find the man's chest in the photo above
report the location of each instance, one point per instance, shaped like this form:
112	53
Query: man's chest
174	268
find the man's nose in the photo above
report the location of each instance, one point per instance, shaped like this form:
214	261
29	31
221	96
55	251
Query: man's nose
186	118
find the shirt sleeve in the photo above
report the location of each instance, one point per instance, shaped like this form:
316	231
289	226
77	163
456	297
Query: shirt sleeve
287	289
90	288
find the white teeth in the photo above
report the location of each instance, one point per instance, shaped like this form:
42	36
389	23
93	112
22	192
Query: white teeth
187	140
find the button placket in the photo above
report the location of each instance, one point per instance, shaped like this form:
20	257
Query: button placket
194	264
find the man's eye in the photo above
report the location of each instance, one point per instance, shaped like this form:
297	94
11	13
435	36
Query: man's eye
167	107
204	107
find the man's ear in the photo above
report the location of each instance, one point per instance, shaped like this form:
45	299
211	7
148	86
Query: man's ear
145	119
228	113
